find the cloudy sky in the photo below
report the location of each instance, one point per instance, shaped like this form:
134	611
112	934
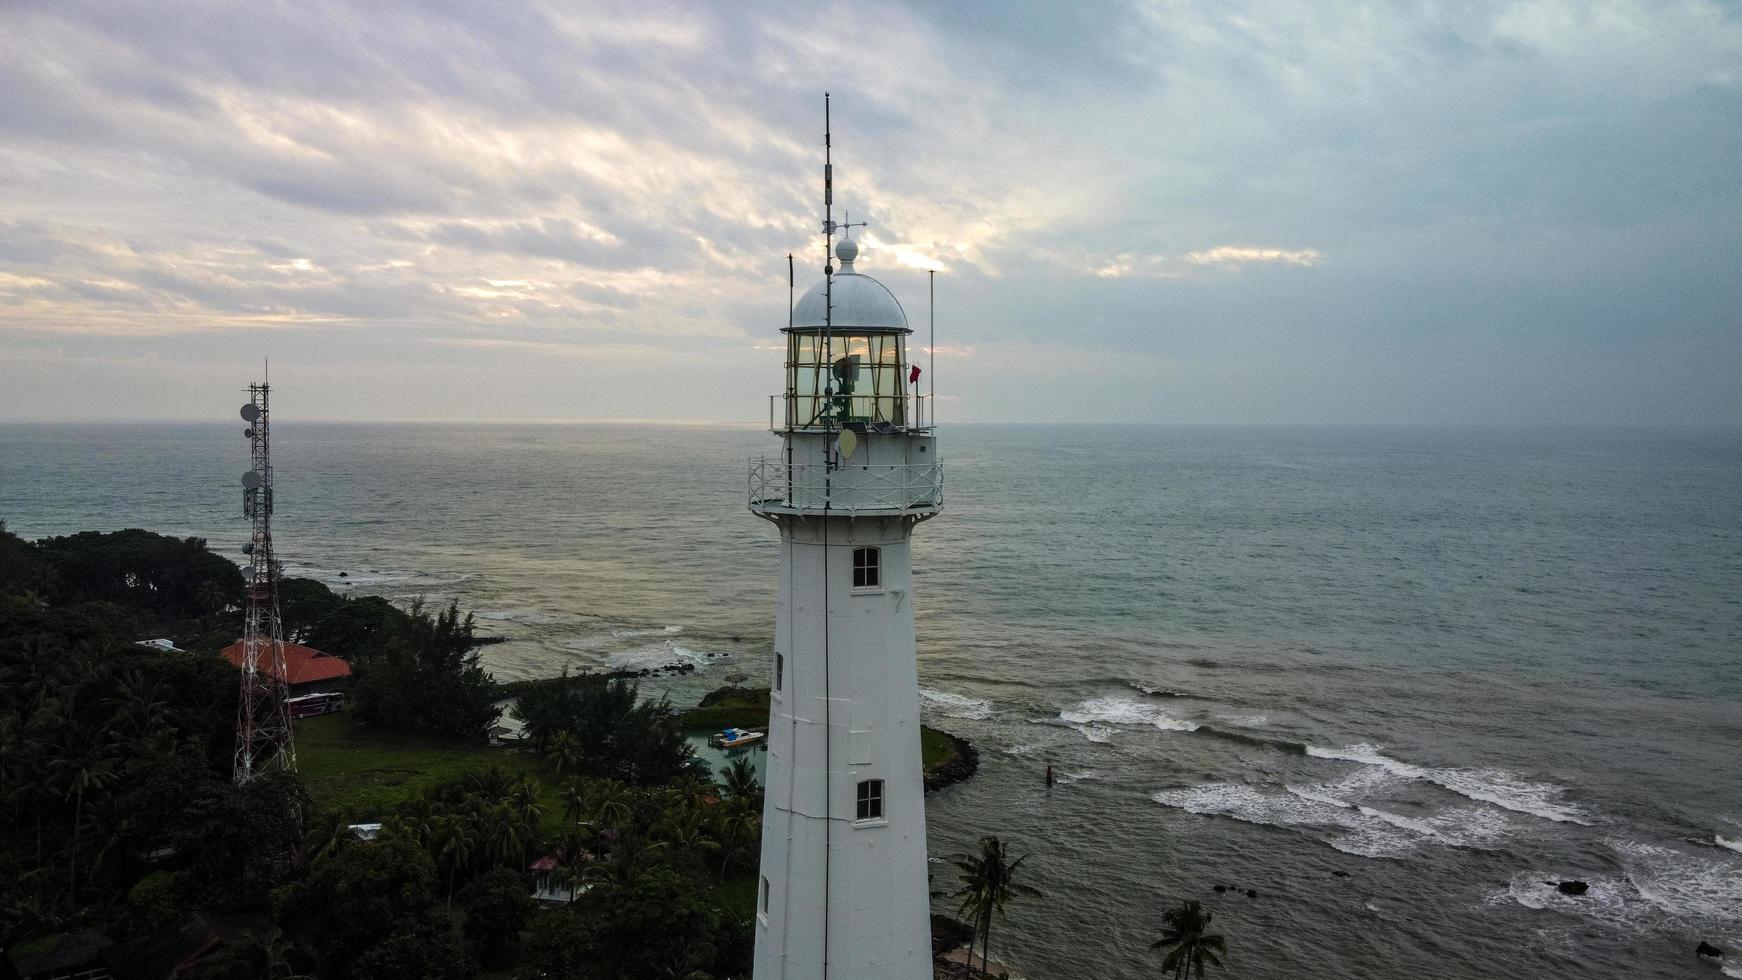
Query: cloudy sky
1206	211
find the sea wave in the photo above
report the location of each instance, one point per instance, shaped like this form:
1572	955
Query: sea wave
1245	721
1725	842
1660	887
955	705
1494	786
527	617
1163	692
1364	830
659	631
1110	711
655	656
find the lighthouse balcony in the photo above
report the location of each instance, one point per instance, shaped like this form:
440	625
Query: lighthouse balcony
851	490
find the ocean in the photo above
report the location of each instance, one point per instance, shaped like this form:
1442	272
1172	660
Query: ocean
1393	682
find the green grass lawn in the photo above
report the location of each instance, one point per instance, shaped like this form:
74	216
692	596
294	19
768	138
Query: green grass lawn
347	766
935	748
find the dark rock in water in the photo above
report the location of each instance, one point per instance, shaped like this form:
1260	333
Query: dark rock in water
1340	874
344	574
1221	888
736	640
1251	893
1573	887
1709	951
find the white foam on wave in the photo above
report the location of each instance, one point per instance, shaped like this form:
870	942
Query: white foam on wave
660	631
1725	842
1495	786
1685	886
1662	888
655	656
1096	733
1103	713
955	705
1245	721
1364	837
1067	778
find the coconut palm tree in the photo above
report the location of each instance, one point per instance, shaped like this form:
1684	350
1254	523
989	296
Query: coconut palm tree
564	752
575	797
988	884
87	767
740	780
612	803
1189	945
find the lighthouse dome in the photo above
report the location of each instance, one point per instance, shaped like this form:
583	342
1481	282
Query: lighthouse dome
860	301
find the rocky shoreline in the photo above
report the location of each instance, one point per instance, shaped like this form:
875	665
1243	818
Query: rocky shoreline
963	764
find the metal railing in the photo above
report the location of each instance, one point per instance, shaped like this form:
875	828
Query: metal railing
776	485
783	411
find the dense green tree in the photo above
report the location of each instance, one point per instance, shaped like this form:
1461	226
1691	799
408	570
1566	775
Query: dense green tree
653	924
424	950
1189	943
429	679
358	629
360	898
158	577
497	906
304	605
22	568
606	730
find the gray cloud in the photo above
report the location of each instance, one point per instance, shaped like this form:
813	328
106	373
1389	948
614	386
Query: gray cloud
1261	211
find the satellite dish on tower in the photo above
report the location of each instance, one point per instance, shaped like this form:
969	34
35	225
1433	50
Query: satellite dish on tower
250	412
251	480
848	442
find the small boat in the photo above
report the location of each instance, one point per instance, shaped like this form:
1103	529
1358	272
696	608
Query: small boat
735	738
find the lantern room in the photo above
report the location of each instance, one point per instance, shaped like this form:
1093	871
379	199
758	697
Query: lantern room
851	367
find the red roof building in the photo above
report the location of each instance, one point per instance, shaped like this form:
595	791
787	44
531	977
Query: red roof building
307	669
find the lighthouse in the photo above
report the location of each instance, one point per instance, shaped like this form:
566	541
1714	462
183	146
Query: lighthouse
843	891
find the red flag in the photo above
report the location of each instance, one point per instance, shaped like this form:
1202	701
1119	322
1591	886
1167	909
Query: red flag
913	375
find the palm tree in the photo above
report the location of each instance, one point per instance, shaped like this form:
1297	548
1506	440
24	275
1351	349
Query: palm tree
740	780
1189	946
739	828
565	751
612	803
575	796
459	846
328	836
86	768
988	884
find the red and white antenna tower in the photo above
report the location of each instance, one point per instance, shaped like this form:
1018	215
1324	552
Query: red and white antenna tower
263	742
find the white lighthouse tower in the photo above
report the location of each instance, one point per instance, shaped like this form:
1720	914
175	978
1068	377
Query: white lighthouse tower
843	892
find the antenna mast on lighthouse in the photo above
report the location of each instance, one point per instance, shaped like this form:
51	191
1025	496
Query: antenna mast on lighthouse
263	740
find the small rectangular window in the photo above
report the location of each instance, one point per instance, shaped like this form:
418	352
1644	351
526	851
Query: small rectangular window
762	898
779	672
871	799
867	568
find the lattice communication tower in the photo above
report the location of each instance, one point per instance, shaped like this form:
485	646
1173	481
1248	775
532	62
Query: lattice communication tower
263	740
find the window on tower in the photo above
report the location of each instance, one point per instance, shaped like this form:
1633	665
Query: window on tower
779	672
867	568
871	799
